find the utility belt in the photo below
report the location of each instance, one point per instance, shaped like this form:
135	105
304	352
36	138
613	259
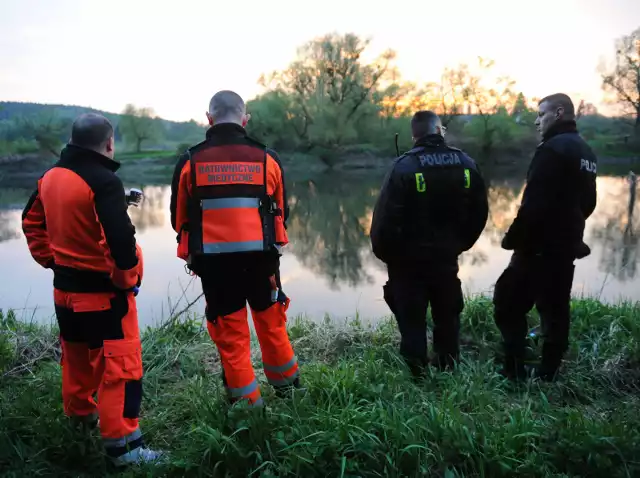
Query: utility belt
68	279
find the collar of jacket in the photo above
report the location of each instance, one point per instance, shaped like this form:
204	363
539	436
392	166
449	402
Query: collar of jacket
226	129
71	152
566	126
432	140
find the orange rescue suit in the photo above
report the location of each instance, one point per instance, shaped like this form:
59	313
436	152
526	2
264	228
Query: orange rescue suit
76	224
228	208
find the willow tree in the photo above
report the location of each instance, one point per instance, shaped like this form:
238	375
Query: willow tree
622	80
330	90
138	125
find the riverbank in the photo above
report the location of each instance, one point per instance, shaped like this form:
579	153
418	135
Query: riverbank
362	416
150	168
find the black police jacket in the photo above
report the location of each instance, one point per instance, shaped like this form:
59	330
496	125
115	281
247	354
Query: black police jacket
432	205
559	196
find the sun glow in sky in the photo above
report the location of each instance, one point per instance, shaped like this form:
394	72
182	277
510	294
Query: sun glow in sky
173	55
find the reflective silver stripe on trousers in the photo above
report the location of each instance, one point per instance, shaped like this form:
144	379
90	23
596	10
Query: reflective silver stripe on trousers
280	368
229	203
284	380
224	247
258	403
119	442
242	391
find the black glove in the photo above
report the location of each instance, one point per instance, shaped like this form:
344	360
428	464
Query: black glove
507	243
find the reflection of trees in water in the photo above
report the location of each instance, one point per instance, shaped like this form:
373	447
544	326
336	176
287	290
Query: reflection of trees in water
10	225
151	213
616	228
504	198
329	226
331	218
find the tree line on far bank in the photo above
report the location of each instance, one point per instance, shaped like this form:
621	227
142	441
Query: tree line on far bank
332	105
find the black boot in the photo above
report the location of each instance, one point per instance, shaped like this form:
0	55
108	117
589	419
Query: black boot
514	369
445	362
514	365
417	367
85	423
515	373
285	391
549	366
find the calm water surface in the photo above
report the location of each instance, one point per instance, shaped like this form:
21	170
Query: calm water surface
328	268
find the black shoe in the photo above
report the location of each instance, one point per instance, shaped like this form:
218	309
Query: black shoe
515	374
445	363
285	391
550	364
545	374
84	422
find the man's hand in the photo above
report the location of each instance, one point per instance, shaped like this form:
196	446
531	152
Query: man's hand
507	243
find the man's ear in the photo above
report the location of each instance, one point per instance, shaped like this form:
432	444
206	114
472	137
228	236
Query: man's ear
559	112
111	144
209	118
245	119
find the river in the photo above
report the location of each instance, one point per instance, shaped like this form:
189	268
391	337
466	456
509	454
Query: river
328	269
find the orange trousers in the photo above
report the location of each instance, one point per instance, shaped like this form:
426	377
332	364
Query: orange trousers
235	282
102	354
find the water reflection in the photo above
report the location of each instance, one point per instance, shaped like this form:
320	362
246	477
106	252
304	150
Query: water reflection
9	227
151	214
329	227
329	267
615	229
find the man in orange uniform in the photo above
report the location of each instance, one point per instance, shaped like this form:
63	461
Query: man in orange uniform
228	206
76	224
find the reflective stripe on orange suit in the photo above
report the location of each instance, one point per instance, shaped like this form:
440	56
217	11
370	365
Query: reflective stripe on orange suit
76	223
217	193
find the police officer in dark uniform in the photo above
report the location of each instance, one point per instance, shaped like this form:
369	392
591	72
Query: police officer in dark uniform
432	207
546	237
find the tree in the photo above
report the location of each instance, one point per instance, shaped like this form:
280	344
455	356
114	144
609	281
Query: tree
399	99
623	80
446	96
138	125
329	89
490	104
47	129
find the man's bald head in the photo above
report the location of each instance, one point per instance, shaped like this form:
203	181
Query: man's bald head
227	107
93	131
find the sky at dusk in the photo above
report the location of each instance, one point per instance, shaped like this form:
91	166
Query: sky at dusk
173	56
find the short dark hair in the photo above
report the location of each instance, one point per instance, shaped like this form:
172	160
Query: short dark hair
91	131
424	123
226	104
560	99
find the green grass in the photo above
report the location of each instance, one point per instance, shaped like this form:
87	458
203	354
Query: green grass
363	416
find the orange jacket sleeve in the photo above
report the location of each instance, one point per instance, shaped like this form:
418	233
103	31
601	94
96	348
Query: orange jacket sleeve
184	193
34	226
180	194
140	267
276	188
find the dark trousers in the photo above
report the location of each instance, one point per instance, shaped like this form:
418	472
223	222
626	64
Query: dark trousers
546	283
229	282
409	292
